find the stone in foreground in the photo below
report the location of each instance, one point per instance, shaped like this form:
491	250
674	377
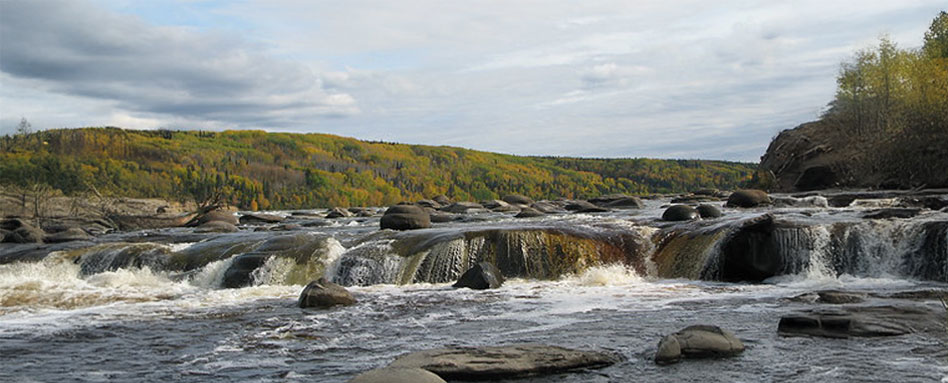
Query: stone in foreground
699	341
505	362
324	294
405	217
397	375
482	276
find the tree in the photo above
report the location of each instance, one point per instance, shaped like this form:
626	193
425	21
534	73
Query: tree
24	127
936	37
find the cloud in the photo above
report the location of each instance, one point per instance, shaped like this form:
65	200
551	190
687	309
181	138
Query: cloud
75	48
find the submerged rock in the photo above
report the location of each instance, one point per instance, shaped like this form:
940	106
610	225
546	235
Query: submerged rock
680	213
405	217
505	362
748	198
700	341
397	375
322	293
862	321
482	276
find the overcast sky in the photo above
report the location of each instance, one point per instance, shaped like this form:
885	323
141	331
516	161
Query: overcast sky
667	79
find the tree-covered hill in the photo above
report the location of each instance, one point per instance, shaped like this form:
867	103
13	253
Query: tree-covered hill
259	170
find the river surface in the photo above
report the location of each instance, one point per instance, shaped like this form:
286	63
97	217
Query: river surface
72	317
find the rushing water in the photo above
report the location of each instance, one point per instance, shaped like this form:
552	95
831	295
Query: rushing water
151	306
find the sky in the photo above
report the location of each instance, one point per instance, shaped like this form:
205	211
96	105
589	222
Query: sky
661	79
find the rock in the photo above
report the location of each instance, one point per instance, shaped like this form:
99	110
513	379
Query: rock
482	276
688	199
699	341
443	200
618	201
529	212
579	205
504	362
547	207
890	213
709	211
748	198
286	227
405	217
863	321
462	207
397	375
216	227
680	213
816	178
322	294
259	218
68	235
499	206
830	297
932	202
338	212
316	222
517	199
439	217
428	203
751	253
214	215
18	231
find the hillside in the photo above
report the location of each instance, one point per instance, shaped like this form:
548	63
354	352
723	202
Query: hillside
887	127
259	170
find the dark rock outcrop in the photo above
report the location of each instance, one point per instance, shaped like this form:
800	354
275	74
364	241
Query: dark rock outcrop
529	212
505	362
618	201
405	217
680	213
18	231
698	341
517	199
397	375
816	178
463	207
863	321
482	276
748	198
322	294
751	253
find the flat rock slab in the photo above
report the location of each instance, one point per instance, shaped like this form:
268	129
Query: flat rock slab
864	321
514	361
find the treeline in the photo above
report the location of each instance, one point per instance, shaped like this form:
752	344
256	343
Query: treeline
259	170
892	103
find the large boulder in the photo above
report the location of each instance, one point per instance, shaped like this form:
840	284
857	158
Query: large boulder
69	235
499	206
618	201
442	199
505	362
338	212
18	231
482	276
698	341
529	212
216	227
463	207
748	198
259	218
680	213
579	205
214	215
752	252
428	203
709	211
517	199
397	375
405	217
322	293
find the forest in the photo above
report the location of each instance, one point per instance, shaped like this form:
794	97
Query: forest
256	170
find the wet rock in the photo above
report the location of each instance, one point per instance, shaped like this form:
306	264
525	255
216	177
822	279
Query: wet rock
862	321
932	202
322	294
316	222
891	213
924	294
709	211
680	213
752	253
428	203
810	201
816	178
214	215
700	341
584	207
216	227
830	297
498	205
68	235
748	198
443	200
529	212
338	212
405	217
259	218
548	207
286	227
19	231
463	207
517	199
397	375
618	201
482	276
439	217
505	362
